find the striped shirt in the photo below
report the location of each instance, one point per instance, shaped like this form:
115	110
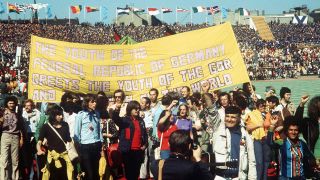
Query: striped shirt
291	159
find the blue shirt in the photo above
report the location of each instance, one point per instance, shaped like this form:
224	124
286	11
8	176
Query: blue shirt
235	149
87	127
156	116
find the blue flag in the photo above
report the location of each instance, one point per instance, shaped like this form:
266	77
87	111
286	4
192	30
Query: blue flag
2	8
224	12
49	13
104	12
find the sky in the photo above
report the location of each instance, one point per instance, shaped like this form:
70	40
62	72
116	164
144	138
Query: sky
60	8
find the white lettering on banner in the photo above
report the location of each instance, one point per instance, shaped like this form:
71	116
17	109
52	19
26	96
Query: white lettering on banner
197	56
219	66
190	74
156	65
139	53
116	71
99	86
44	95
166	79
219	82
46	49
116	54
53	81
57	66
135	85
84	54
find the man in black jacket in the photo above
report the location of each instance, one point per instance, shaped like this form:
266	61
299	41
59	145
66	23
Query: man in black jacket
179	166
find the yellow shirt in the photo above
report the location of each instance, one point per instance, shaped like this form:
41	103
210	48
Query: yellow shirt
255	118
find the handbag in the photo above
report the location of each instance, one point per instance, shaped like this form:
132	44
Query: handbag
71	150
157	150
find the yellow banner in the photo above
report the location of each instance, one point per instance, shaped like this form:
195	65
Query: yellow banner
167	64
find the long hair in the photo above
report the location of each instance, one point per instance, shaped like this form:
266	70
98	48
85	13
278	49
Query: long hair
132	105
314	108
10	98
53	112
88	98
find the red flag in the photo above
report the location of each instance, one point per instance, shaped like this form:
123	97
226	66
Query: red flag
116	35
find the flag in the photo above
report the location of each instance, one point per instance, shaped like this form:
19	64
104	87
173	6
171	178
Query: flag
21	7
13	8
244	12
169	31
76	9
122	11
182	10
213	10
116	35
49	13
153	11
166	10
224	13
38	6
90	9
137	10
199	9
104	12
2	9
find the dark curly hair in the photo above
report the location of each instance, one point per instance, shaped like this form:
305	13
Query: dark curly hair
53	112
314	108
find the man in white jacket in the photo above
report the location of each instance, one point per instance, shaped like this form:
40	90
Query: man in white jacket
232	143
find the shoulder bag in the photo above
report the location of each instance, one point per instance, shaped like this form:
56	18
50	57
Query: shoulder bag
71	150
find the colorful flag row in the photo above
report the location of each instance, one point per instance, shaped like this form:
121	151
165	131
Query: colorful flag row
18	8
77	9
156	11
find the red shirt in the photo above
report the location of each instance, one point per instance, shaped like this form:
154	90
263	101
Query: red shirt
166	135
136	140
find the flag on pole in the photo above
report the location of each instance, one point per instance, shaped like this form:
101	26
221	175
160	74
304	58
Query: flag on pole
49	13
166	10
38	6
224	13
137	10
244	12
2	9
76	9
13	8
90	9
199	9
213	10
122	11
182	10
153	11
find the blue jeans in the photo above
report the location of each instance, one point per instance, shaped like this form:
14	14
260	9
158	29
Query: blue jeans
262	152
164	154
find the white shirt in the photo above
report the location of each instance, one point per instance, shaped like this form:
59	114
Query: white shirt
70	119
31	120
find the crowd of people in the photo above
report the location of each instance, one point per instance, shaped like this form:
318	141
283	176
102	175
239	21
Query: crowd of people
173	137
98	137
294	52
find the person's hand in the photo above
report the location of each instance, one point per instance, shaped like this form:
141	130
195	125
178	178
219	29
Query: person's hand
21	142
143	147
304	99
40	152
197	154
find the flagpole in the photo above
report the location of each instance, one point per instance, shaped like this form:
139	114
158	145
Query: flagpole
176	15
69	16
161	14
191	15
116	16
8	10
84	12
100	14
221	14
131	15
46	15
